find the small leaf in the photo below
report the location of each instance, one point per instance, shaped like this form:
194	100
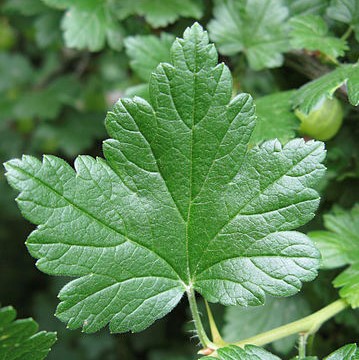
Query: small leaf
275	118
179	202
348	281
347	352
310	32
147	51
20	340
255	27
340	246
309	95
346	11
249	352
159	13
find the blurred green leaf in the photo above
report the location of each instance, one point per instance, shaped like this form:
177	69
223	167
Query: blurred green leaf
242	323
257	28
346	11
340	246
159	13
305	7
310	32
19	339
147	51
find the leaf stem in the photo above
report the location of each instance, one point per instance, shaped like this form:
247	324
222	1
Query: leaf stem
309	325
346	35
302	345
203	338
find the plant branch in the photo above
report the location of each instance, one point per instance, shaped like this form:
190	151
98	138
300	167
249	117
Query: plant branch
309	325
203	338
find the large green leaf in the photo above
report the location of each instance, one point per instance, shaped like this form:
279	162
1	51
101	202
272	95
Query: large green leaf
310	32
180	203
346	11
249	352
255	27
19	339
309	95
340	246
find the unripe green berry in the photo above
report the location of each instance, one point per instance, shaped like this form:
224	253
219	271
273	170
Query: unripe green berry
324	121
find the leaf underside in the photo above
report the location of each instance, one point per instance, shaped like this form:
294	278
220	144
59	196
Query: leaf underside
179	202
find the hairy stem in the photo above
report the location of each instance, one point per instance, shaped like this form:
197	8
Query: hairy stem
302	345
309	325
203	338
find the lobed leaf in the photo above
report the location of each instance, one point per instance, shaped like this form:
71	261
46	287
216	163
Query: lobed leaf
346	11
340	246
20	339
310	94
310	32
256	28
147	51
180	202
160	13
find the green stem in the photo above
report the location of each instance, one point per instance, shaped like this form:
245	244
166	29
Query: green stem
203	338
346	35
302	345
309	325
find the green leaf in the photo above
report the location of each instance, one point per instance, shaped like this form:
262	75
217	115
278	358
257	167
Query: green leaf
87	25
242	323
25	7
310	32
275	118
347	352
305	7
147	51
20	339
61	4
159	13
340	246
47	103
348	281
346	11
256	28
249	352
180	203
309	95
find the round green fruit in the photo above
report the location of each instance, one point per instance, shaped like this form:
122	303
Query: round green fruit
324	121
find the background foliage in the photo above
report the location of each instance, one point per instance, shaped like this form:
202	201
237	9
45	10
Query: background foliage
64	63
